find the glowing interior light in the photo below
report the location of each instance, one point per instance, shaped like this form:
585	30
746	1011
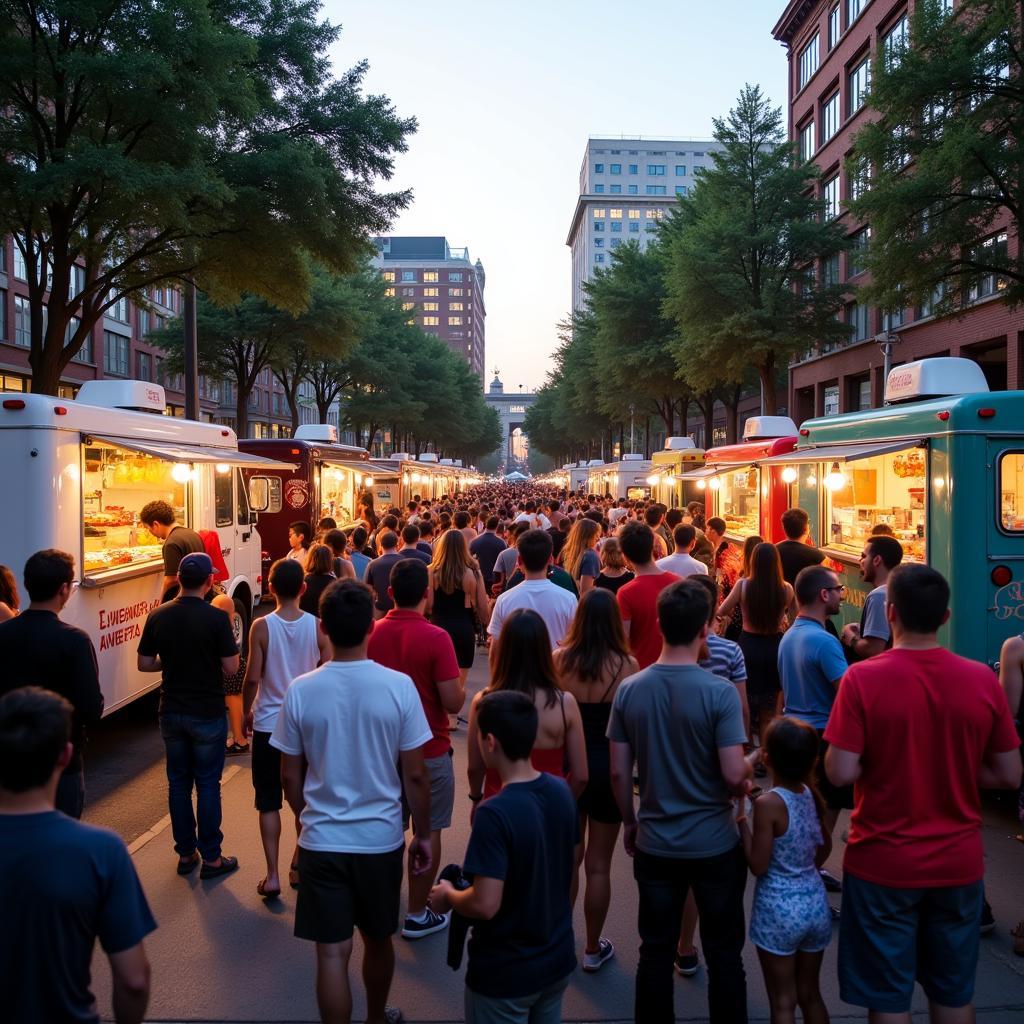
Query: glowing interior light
812	480
714	483
180	472
223	468
653	479
835	480
702	485
368	481
789	475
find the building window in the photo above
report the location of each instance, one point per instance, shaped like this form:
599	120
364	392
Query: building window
388	275
634	190
680	170
808	60
115	353
633	214
144	366
411	305
858	317
656	190
598	243
855	257
830	117
634	168
616	190
599	226
895	43
615	168
451	291
615	213
930	304
431	321
599	213
859	83
854	9
634	225
656	170
453	307
408	275
119	310
653	214
389	293
3	310
599	190
454	275
617	225
430	277
830	271
430	292
993	249
681	190
864	394
428	307
599	168
834	30
893	318
830	400
858	178
599	257
807	141
22	322
20	269
830	193
455	321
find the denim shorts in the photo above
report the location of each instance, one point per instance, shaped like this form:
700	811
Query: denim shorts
889	938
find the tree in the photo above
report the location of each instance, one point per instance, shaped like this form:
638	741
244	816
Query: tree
633	343
945	158
146	143
742	252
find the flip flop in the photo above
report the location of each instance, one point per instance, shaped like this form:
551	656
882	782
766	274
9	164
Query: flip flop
267	894
186	867
293	877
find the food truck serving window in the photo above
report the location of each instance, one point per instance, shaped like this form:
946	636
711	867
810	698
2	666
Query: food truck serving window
738	501
116	483
1011	491
887	489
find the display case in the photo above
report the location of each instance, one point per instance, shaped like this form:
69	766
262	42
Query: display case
886	489
1011	492
116	484
338	488
737	500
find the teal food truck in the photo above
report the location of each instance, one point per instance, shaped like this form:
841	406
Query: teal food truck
943	466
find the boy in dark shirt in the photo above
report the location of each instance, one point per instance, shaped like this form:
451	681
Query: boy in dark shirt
69	884
520	855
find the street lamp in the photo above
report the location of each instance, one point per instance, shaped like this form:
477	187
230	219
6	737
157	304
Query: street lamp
885	342
632	413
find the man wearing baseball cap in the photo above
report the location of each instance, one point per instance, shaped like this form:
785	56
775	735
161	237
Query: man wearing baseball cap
191	644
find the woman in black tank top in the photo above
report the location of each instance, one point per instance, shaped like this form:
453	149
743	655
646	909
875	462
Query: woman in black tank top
592	661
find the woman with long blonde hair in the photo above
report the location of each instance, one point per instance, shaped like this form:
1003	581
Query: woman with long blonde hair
579	556
457	596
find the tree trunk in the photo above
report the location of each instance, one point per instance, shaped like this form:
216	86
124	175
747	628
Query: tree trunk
769	399
707	406
647	437
731	401
241	411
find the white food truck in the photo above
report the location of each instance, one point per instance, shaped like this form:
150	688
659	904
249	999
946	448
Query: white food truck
76	475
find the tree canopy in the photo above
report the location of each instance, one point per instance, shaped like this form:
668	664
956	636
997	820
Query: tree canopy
149	143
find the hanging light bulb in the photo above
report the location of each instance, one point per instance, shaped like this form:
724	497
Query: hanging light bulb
223	468
789	475
653	479
835	480
702	485
180	472
714	483
368	481
812	480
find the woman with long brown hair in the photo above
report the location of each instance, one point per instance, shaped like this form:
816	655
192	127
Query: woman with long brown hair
457	596
593	659
522	662
9	601
767	605
319	576
579	556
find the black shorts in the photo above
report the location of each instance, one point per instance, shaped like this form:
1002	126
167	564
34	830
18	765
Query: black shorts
837	798
344	891
266	773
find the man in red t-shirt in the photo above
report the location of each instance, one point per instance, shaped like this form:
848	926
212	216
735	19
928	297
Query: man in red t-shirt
638	599
917	730
404	641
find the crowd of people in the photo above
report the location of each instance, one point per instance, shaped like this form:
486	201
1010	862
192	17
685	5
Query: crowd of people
646	677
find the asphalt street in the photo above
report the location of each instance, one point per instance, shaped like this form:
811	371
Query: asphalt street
220	954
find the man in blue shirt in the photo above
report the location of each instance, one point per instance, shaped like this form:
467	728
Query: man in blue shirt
811	664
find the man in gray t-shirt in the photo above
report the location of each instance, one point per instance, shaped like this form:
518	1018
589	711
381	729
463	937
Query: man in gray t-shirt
880	556
683	729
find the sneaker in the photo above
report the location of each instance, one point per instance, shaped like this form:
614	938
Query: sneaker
393	1015
832	884
433	922
834	911
988	922
687	965
595	961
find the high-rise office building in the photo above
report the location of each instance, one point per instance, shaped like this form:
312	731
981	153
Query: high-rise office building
442	290
626	186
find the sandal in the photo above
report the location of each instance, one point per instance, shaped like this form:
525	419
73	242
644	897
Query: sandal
186	867
236	748
1018	938
267	894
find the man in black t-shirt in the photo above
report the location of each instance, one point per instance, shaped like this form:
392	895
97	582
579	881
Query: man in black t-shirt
794	552
192	644
38	649
486	548
378	573
68	884
179	541
520	856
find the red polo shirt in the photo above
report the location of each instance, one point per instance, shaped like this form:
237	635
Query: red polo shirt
638	603
404	641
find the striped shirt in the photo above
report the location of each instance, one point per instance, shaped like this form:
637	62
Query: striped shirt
725	659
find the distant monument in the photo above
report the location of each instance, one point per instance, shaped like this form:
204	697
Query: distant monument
515	448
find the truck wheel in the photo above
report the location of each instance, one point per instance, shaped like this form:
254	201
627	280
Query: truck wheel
240	626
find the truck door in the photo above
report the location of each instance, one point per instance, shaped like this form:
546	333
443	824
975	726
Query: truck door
1004	579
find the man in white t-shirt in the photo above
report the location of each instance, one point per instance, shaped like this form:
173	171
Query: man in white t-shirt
682	562
555	605
352	721
618	513
536	518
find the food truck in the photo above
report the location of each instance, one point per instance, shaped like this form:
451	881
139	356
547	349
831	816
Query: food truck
625	479
428	476
679	456
942	466
325	479
749	499
78	474
579	475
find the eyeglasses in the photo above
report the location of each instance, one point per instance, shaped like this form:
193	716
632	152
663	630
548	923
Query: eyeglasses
841	588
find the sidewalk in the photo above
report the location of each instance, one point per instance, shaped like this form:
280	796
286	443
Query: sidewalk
221	954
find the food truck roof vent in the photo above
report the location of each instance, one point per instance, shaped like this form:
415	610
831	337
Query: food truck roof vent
636	457
458	463
428	457
675	444
400	457
759	428
138	395
447	462
568	465
325	433
594	462
932	378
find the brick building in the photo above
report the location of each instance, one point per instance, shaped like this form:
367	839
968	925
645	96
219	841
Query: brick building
830	45
440	288
118	347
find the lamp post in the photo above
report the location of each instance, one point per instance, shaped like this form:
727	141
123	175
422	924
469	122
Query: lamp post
886	342
191	352
632	413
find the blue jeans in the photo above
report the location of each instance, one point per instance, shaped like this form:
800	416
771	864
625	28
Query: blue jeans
71	793
544	1007
195	759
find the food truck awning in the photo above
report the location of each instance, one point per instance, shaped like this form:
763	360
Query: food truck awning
192	453
840	452
369	468
708	471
